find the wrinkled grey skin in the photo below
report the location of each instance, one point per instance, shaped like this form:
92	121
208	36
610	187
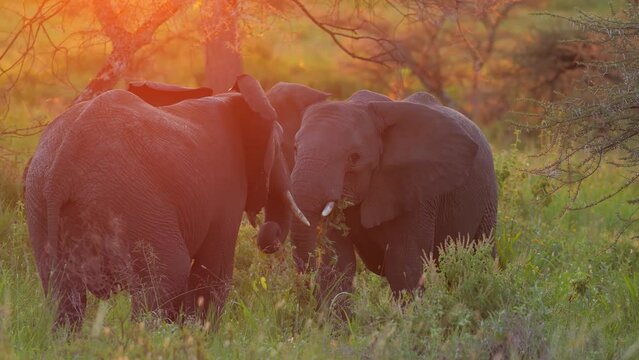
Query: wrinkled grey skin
416	171
122	195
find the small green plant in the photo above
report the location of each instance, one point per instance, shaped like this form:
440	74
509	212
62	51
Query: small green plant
473	275
335	221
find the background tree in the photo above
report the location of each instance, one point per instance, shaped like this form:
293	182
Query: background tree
599	122
551	61
448	47
127	26
223	60
458	50
125	43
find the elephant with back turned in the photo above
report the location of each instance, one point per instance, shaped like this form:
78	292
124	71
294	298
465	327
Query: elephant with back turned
123	195
415	171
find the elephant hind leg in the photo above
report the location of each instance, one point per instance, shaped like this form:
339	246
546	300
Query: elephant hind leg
68	292
208	288
161	267
487	227
212	271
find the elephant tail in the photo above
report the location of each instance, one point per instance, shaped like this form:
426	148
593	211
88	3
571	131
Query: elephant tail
54	263
51	244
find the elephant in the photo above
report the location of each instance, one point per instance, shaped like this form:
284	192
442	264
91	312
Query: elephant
414	171
122	195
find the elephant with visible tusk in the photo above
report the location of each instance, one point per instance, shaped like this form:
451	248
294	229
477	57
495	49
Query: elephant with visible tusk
123	195
415	171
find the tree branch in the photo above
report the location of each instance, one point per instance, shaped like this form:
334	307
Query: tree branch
125	44
335	35
110	22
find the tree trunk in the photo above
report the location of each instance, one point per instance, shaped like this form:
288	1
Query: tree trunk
222	44
125	43
109	75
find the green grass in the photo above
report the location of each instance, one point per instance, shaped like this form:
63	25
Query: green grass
566	287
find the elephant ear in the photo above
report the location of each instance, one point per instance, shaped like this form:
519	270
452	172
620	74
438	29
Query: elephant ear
272	156
159	94
267	125
425	154
254	96
270	178
262	136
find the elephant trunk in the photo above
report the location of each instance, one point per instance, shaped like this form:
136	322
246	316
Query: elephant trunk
313	187
305	242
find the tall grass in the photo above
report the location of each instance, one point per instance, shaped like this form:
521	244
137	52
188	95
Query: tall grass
566	286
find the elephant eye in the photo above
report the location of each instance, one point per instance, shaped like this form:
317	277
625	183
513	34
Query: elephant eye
354	158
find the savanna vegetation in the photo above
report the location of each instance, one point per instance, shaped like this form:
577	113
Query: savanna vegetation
553	84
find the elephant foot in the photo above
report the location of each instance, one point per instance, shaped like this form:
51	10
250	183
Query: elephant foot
69	294
335	291
269	237
205	302
71	312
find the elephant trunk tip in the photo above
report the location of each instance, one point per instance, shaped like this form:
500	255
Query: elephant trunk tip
268	238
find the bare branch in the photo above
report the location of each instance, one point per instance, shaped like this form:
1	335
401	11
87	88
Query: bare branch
597	124
336	35
425	37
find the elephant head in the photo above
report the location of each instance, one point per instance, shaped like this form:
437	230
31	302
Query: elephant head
290	100
383	156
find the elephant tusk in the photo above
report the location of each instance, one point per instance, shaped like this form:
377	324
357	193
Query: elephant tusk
296	210
328	208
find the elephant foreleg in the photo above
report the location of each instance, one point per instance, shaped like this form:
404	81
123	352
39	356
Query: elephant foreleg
408	240
336	272
486	229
